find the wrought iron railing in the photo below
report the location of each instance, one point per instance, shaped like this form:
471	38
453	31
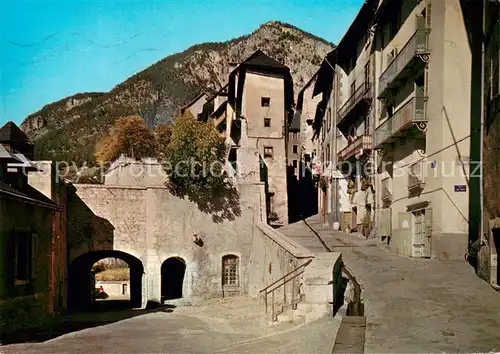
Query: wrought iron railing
386	192
416	175
363	91
361	142
412	112
281	285
418	44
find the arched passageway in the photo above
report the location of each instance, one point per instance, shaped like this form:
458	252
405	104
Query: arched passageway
173	271
80	282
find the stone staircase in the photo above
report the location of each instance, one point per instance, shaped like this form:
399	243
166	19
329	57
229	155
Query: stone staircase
306	293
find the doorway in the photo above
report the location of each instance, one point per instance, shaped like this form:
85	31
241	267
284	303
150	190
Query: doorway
421	233
172	278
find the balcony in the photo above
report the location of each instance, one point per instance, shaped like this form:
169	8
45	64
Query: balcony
359	100
414	53
355	148
386	192
412	113
416	176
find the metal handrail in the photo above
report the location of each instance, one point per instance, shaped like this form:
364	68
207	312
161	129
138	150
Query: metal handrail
355	97
414	110
415	179
361	142
281	282
417	44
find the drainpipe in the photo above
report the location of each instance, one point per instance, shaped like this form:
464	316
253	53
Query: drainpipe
483	49
334	155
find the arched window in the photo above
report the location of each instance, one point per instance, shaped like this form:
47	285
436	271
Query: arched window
230	270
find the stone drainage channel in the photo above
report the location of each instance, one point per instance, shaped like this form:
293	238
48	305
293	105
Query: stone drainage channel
351	334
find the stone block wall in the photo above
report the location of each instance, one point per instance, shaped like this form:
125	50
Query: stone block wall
153	225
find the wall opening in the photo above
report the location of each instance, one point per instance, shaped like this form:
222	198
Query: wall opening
111	277
83	278
496	244
173	271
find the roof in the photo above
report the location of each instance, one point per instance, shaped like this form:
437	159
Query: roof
6	156
264	61
221	92
261	60
10	133
194	100
324	82
23	162
29	195
220	109
382	6
362	22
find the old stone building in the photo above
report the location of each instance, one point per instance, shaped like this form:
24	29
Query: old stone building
402	93
254	110
26	236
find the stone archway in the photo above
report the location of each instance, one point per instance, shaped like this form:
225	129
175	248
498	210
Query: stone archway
80	281
173	271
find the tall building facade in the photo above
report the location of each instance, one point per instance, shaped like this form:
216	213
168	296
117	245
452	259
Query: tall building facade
401	95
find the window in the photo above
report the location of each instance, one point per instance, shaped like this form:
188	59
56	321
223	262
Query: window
267	122
25	254
295	135
295	149
328	154
230	265
268	151
265	101
295	163
353	88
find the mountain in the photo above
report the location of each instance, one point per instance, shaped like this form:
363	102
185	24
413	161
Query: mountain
68	129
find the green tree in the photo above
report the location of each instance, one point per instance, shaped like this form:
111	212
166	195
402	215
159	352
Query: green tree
129	136
195	163
163	134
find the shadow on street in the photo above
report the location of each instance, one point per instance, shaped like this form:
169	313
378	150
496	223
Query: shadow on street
99	314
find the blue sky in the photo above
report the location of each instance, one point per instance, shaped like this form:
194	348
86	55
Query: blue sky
53	49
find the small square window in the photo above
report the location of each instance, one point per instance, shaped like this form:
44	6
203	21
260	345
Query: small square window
265	101
295	149
295	163
267	122
268	151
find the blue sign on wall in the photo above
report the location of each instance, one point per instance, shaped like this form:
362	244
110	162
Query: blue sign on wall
460	188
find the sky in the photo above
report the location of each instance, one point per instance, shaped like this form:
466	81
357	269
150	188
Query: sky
53	49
